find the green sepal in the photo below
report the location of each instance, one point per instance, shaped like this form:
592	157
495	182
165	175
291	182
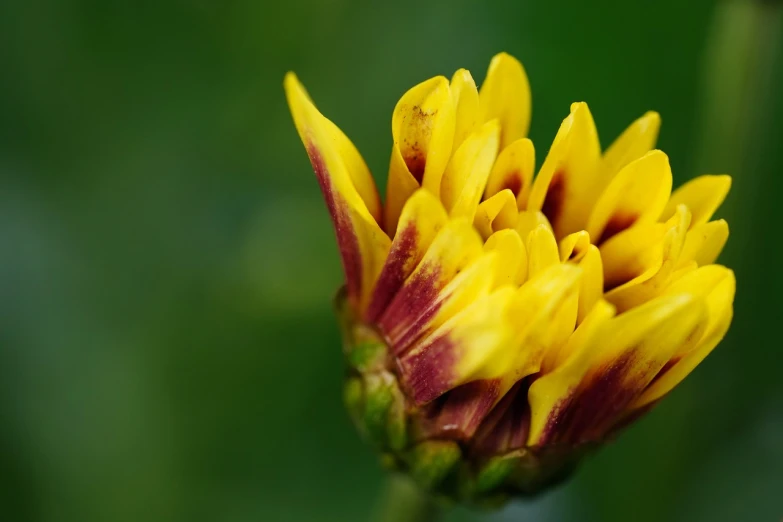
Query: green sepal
431	462
364	348
495	472
353	398
367	356
397	420
378	400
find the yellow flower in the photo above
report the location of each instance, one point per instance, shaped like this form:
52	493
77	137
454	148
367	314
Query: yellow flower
496	324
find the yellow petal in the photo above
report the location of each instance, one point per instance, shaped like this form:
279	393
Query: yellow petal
543	315
635	141
655	279
574	246
474	282
702	195
458	350
632	252
591	288
638	194
454	248
600	381
536	317
704	243
564	189
466	104
496	213
399	188
542	251
717	285
512	257
303	110
536	314
423	132
422	218
513	170
467	172
363	245
505	95
563	323
549	395
528	221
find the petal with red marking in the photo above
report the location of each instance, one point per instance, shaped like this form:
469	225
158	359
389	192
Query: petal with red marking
465	407
347	188
457	351
423	132
513	170
305	115
564	189
585	398
422	218
549	395
638	194
716	285
655	279
573	247
455	247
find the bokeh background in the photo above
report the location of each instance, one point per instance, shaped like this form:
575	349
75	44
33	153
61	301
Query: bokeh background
167	346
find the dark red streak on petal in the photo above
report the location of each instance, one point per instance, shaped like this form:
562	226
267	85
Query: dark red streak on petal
427	372
596	406
412	151
555	195
629	418
394	271
416	162
555	421
411	309
666	367
465	408
508	425
616	224
347	241
513	182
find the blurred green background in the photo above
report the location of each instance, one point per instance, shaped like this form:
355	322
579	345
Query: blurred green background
167	346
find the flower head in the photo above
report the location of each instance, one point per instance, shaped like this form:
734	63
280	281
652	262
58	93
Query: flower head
496	325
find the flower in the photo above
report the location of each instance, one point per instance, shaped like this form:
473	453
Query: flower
497	326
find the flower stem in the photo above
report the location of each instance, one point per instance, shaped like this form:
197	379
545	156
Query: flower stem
403	501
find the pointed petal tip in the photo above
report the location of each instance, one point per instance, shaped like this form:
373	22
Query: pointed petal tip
462	74
290	79
579	106
651	118
723	180
504	57
294	88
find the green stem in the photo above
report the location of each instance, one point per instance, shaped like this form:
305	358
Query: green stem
403	501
